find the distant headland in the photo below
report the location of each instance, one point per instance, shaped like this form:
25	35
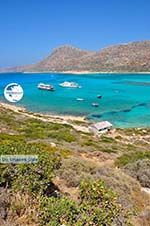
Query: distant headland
132	57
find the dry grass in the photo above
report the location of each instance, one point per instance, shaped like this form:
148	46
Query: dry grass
140	170
24	210
143	219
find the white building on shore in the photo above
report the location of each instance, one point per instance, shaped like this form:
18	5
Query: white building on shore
100	127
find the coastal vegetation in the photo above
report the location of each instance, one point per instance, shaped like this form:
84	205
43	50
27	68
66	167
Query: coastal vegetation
132	157
79	179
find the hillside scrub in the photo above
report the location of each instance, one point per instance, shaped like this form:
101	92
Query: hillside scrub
74	170
105	194
140	170
28	178
132	157
97	206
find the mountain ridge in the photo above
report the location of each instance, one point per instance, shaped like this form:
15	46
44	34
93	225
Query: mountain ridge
125	57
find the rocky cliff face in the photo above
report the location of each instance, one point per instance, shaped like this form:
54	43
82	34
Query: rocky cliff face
132	57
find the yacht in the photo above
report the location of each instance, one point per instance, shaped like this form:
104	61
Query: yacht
95	104
70	84
45	87
80	99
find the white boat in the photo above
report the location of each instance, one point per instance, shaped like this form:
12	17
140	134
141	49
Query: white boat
70	84
95	104
80	99
45	87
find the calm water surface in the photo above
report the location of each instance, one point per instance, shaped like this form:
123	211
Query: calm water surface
125	98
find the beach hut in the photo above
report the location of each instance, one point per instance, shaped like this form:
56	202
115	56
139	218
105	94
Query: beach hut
100	127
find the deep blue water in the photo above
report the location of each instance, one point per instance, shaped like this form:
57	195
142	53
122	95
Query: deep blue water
125	101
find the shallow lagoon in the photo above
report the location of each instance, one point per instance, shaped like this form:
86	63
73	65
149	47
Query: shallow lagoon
125	97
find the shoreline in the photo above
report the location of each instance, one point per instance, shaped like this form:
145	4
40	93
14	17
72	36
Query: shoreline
23	109
83	72
78	72
79	123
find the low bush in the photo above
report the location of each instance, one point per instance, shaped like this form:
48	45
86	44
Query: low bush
74	169
64	135
140	170
97	206
30	178
8	137
36	129
107	139
58	211
127	188
132	157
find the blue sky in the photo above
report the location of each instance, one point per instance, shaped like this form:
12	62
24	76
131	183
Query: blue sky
30	29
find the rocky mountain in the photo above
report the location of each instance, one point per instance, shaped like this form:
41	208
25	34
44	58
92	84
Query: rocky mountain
131	57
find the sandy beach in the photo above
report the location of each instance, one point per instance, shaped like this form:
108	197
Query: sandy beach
74	121
86	72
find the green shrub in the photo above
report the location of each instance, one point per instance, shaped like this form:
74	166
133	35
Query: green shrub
132	157
58	211
30	178
107	139
36	129
8	137
62	135
88	142
98	203
34	178
97	207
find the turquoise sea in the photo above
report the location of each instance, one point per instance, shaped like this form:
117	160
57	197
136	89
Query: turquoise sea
125	97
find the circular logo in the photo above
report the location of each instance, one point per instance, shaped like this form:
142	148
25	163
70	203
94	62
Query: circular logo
13	92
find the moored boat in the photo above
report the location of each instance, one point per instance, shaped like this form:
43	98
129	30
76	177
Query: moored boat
80	99
99	96
45	87
95	104
70	84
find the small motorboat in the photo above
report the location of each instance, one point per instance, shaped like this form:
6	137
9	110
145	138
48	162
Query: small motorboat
80	99
99	96
47	87
95	104
70	84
